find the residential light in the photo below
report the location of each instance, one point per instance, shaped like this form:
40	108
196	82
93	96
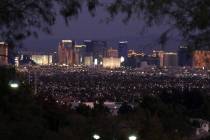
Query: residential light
132	137
96	137
14	84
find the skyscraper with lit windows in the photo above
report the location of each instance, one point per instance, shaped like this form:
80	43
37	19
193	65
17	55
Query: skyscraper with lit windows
3	53
79	53
111	52
89	47
123	51
170	59
184	56
66	52
96	49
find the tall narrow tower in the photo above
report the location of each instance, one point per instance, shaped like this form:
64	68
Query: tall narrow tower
3	53
66	52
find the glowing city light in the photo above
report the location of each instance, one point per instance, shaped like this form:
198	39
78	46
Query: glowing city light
96	137
14	85
122	59
67	41
132	137
95	61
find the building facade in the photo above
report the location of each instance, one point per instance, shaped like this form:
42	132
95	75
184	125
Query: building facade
42	59
88	61
3	53
170	59
79	51
201	59
184	56
123	49
66	54
111	63
96	49
112	53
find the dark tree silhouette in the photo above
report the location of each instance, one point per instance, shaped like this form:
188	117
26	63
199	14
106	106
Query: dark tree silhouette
189	17
22	18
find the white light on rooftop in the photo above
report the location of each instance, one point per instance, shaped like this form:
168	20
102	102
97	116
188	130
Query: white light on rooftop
87	40
79	46
171	53
66	41
123	41
183	47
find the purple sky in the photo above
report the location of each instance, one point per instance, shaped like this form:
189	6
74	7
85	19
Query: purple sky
87	27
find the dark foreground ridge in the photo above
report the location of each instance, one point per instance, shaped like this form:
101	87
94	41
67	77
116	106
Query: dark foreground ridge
171	114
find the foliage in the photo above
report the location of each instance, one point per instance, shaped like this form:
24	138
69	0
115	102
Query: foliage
22	18
162	117
189	17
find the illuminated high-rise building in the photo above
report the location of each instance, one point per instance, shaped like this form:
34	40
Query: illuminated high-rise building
17	62
96	49
99	51
79	51
66	52
123	49
123	52
42	59
201	59
89	47
112	53
184	56
88	61
111	62
160	55
133	53
170	59
55	58
3	53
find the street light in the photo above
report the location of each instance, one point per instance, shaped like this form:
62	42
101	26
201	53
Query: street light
132	137
14	84
96	137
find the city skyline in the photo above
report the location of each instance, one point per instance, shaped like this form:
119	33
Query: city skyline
105	69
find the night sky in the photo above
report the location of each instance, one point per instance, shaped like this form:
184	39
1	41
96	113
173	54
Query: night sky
87	27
